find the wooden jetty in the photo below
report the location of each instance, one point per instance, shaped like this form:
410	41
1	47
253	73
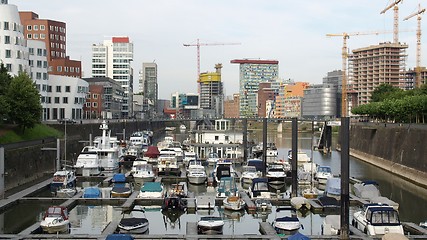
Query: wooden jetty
250	205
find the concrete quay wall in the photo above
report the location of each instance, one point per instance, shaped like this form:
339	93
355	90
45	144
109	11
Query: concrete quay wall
399	149
26	162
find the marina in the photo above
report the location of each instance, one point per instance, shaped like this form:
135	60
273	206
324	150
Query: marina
98	217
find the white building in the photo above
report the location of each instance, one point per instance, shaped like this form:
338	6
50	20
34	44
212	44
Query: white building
60	96
13	46
68	96
113	59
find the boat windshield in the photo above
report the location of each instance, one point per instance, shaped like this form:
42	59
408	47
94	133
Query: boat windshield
383	217
324	169
249	169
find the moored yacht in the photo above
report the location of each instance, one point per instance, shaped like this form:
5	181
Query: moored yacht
88	162
142	171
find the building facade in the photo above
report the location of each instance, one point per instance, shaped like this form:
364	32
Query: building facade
375	65
320	102
231	107
253	72
411	76
113	59
53	34
149	87
289	98
104	99
211	91
266	94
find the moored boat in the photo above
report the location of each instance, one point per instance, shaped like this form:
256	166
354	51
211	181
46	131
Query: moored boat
121	188
88	162
286	224
300	203
210	225
333	188
142	171
151	190
92	192
56	220
259	189
134	222
234	203
366	190
196	174
323	173
63	179
276	175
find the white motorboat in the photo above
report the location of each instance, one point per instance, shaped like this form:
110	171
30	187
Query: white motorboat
213	158
151	190
88	162
63	179
259	189
366	190
142	171
196	174
56	220
226	187
331	225
276	175
167	163
300	203
249	173
377	219
165	143
134	222
302	157
263	204
234	203
177	148
140	139
66	192
188	156
210	225
323	173
288	224
224	168
108	150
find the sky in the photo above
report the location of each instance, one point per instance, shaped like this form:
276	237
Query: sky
292	32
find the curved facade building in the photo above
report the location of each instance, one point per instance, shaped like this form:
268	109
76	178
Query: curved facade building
320	102
13	46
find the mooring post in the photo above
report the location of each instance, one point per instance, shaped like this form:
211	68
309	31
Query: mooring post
345	170
264	145
245	140
294	157
2	175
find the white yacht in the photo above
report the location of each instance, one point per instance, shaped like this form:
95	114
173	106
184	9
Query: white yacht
88	162
142	171
196	173
167	163
108	150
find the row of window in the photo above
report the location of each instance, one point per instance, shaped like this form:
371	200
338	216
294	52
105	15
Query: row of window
10	68
18	54
12	26
36	36
57	54
68	69
94	104
39	76
16	40
40	51
39	63
43	27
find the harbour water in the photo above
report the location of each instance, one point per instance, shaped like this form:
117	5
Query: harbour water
93	219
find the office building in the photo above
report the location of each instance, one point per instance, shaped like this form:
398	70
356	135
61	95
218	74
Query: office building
211	91
252	73
112	59
149	88
53	34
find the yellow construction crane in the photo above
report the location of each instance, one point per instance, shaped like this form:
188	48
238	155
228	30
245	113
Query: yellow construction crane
344	54
198	44
396	19
418	60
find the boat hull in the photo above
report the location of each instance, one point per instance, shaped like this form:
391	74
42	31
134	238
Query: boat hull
126	227
233	203
196	180
62	227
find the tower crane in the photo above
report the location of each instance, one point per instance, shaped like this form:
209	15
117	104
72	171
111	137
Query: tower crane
344	54
198	44
418	60
396	19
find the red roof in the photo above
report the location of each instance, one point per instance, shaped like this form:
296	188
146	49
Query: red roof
152	152
120	39
254	61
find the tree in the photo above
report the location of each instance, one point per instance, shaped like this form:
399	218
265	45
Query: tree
5	80
385	91
24	101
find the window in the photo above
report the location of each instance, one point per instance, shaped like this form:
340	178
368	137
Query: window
58	88
31	50
8	53
56	99
65	100
66	69
44	52
59	68
42	36
39	75
39	52
18	54
29	36
76	100
39	63
31	63
95	104
29	27
36	36
36	27
88	104
67	89
6	26
6	39
95	96
44	64
9	66
49	88
44	76
42	27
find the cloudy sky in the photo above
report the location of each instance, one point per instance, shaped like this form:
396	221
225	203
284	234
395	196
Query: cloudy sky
292	32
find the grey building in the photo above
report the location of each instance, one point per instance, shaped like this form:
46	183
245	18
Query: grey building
320	102
149	87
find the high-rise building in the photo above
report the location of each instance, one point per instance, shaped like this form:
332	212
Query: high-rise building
149	87
53	34
113	59
375	65
266	96
253	72
211	91
411	76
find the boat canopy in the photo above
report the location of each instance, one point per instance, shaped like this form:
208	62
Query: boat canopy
152	152
258	163
151	187
119	237
119	178
92	192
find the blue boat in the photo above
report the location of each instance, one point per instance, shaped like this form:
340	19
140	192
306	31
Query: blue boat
92	192
120	187
119	237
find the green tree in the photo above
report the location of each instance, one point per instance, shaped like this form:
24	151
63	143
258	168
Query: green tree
24	101
5	80
386	91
